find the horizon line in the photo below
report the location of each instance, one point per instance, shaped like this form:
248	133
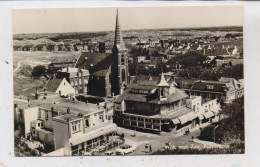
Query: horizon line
130	30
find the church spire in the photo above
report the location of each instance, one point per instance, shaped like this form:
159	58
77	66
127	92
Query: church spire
118	43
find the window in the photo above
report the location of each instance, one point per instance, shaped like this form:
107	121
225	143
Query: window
123	60
46	115
210	87
76	126
86	123
123	75
39	124
162	92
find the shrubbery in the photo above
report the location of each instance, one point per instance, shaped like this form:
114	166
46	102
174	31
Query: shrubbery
38	71
90	99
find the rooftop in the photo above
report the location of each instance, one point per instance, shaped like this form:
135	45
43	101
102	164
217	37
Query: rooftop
61	105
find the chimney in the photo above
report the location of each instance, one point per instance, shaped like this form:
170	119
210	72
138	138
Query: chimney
67	69
68	110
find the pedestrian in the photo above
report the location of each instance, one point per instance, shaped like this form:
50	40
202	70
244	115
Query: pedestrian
146	146
150	148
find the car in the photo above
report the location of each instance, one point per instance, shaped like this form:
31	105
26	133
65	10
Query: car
125	149
110	153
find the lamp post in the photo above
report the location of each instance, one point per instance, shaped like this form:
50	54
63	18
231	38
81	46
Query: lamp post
214	132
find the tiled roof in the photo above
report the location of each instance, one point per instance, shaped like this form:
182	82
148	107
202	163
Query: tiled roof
213	86
101	68
53	84
97	63
151	98
87	59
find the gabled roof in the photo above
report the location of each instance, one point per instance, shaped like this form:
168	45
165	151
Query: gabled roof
53	84
101	68
214	86
86	59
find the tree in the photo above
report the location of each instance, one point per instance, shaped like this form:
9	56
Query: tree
231	127
50	47
38	71
189	59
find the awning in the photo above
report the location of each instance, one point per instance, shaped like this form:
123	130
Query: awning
208	114
201	117
215	111
191	116
183	119
176	121
91	135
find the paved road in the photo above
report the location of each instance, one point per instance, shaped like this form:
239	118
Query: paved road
158	141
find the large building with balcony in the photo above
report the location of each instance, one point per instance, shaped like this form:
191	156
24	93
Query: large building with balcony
72	126
157	106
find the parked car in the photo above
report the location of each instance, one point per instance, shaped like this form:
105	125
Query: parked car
110	153
125	149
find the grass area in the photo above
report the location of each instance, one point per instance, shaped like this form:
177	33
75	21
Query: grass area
25	85
42	57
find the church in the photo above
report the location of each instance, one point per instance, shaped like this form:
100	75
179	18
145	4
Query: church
108	71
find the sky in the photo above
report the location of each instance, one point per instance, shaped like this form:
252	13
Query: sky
59	20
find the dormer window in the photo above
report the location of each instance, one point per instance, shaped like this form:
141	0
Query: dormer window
210	87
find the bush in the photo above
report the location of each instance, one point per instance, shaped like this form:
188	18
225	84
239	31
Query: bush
34	153
38	71
90	99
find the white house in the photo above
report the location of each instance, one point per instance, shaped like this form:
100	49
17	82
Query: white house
61	86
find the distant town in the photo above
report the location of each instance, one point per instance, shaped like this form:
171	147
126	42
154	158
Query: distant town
134	92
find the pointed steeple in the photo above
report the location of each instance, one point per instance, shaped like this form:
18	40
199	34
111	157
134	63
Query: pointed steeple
162	82
118	43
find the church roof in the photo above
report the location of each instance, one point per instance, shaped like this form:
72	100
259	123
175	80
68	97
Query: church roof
86	59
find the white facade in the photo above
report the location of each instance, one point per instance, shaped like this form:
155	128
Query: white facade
65	88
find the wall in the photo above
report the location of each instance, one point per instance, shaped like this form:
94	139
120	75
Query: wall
47	123
97	86
30	114
61	136
65	88
45	136
194	102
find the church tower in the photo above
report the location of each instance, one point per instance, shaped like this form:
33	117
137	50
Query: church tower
120	52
